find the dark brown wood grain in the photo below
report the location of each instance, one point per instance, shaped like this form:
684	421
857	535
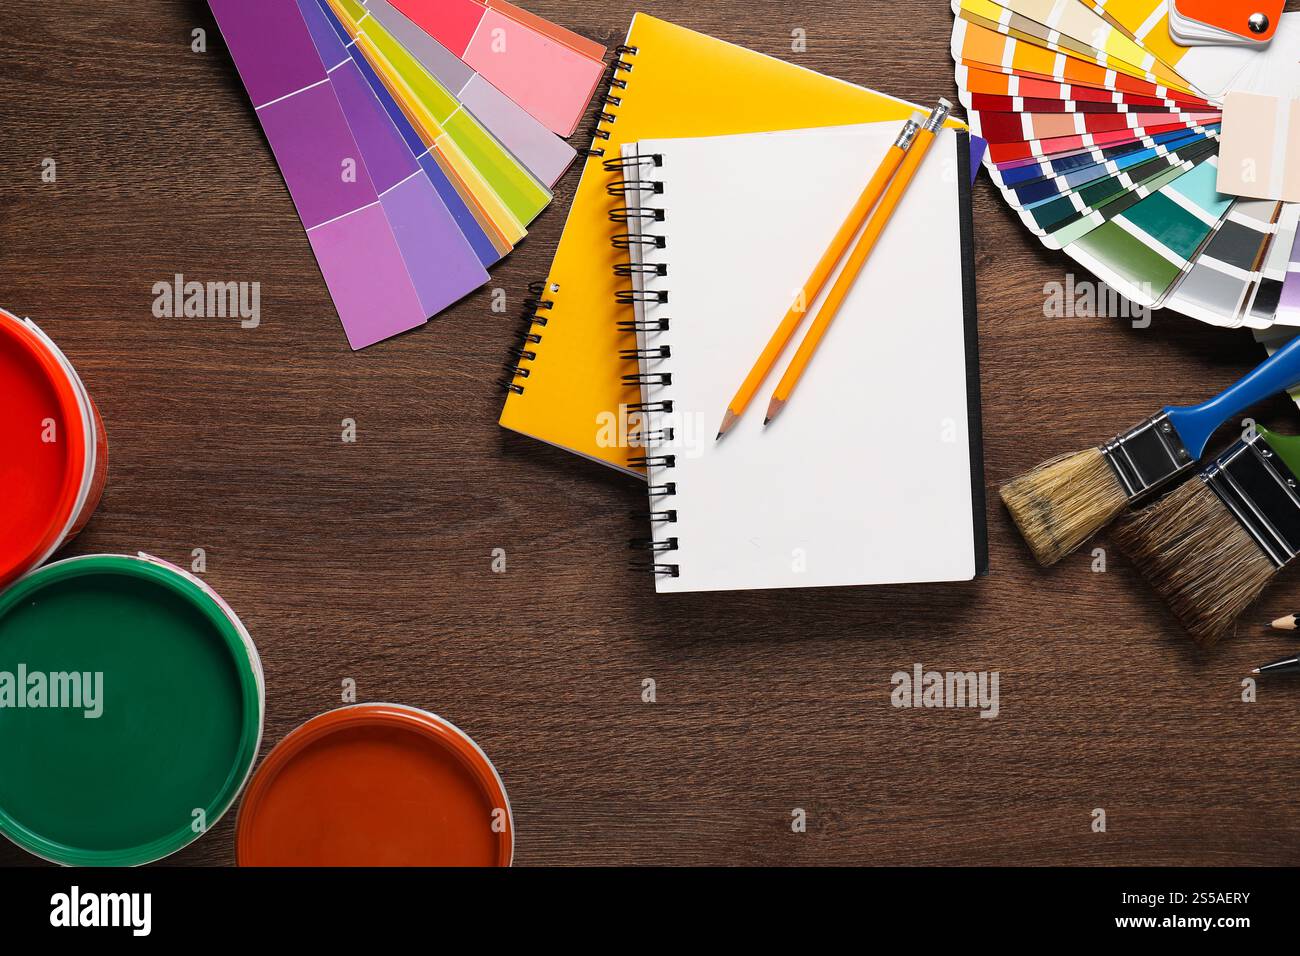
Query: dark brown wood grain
373	560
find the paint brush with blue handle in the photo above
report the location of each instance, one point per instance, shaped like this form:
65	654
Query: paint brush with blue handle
1063	502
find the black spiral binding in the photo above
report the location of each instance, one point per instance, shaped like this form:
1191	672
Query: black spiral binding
618	77
639	210
522	354
529	336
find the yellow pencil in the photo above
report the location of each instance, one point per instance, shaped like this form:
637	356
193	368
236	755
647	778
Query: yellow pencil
857	258
821	272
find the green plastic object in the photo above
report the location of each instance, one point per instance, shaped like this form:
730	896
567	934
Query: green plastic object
178	690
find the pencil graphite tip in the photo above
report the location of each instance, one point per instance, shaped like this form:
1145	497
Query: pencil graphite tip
728	420
774	409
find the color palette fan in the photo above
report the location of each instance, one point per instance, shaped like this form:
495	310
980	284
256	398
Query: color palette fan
1105	139
413	145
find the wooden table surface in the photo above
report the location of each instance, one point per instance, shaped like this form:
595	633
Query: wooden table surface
373	560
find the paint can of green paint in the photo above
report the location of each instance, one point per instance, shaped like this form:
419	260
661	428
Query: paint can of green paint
131	708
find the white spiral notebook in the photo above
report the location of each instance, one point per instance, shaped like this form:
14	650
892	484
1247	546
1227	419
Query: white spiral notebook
873	473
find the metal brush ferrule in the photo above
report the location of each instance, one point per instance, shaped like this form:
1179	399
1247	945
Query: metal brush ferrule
938	116
908	133
1148	456
1259	489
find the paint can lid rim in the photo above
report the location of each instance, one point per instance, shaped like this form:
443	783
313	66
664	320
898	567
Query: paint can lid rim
439	732
40	360
251	705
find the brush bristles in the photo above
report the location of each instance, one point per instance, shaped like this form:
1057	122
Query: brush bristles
1064	502
1199	559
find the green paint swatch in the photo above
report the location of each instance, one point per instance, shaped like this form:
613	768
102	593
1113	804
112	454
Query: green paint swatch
1056	214
1079	227
1174	227
179	697
521	192
1129	258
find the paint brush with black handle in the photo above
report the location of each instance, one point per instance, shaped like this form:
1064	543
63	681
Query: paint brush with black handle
1063	502
1210	548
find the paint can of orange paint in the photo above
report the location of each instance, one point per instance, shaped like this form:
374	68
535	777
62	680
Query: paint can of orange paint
376	785
55	450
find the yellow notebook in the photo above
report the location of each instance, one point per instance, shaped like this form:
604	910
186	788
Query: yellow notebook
567	385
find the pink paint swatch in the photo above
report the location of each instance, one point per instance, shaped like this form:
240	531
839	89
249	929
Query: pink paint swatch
547	70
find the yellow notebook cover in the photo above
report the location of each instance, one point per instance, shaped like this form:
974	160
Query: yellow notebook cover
571	392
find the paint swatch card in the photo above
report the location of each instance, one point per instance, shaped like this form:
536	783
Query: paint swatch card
551	72
1288	307
1210	69
324	168
545	154
1260	158
440	260
486	243
1266	296
1200	22
1145	250
1099	147
507	194
1218	284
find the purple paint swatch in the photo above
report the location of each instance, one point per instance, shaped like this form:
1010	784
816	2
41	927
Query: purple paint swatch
323	167
978	147
312	143
366	276
426	232
443	266
487	252
386	155
1289	305
273	52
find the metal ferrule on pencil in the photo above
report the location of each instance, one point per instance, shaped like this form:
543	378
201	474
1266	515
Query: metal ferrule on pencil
1259	489
1147	456
907	134
938	116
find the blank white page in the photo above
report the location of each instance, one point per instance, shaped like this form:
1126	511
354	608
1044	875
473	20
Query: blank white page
865	478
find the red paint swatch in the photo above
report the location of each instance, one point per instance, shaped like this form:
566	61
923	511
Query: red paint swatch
451	22
988	103
1005	152
1013	127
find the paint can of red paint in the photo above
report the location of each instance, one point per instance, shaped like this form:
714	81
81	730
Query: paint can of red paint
54	458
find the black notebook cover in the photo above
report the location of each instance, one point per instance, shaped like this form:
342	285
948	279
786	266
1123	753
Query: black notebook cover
975	425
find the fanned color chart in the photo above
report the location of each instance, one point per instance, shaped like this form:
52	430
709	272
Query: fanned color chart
414	165
1106	134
